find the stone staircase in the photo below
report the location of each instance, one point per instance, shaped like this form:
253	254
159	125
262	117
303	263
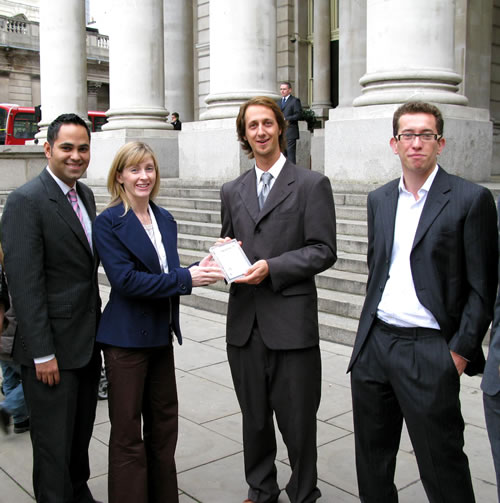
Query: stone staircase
196	208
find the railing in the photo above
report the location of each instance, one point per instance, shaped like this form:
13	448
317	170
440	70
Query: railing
21	33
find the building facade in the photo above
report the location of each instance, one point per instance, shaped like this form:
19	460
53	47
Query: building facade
351	63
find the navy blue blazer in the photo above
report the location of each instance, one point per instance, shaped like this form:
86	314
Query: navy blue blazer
144	301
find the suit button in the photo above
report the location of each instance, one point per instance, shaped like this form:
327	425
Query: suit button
381	288
183	288
372	315
144	332
257	230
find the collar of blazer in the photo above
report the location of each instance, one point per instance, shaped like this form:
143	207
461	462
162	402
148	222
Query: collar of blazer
131	233
437	199
64	209
282	188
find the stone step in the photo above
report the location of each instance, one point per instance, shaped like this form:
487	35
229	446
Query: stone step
198	229
342	281
197	216
352	244
352	227
351	262
340	303
335	328
345	212
332	327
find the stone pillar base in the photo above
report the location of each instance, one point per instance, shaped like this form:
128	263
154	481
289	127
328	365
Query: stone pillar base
105	144
357	143
210	150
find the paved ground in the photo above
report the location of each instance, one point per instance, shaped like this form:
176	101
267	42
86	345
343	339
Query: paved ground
209	452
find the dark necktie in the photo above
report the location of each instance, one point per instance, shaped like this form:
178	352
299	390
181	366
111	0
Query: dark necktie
266	187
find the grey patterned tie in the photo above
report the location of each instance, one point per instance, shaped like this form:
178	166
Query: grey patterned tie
266	187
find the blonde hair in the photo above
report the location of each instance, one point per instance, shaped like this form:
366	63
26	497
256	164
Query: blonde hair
131	154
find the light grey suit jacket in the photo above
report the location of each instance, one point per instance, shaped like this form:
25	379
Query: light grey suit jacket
52	273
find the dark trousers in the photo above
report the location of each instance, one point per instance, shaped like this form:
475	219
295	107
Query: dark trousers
61	422
291	147
287	383
492	416
141	383
412	375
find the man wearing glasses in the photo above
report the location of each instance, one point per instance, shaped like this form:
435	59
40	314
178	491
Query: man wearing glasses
432	252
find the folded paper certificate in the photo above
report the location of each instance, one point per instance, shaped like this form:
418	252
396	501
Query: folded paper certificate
231	259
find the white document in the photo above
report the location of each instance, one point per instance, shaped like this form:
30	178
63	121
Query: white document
231	259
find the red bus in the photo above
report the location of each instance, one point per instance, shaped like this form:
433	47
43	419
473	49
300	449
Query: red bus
18	124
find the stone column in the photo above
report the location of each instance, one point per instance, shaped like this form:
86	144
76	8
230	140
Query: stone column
63	60
352	50
137	89
321	59
136	73
178	33
410	53
242	54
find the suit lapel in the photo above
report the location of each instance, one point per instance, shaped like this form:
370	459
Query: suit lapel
248	194
388	213
281	190
437	199
132	234
64	209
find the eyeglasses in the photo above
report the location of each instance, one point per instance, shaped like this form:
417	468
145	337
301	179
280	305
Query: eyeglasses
409	137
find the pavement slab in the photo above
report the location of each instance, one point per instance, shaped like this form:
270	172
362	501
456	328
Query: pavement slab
209	453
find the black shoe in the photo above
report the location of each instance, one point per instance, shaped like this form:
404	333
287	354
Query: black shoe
4	420
22	426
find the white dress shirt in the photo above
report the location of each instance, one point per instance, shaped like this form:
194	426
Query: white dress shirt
399	305
275	170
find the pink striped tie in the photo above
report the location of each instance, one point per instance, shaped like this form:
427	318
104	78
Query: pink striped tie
76	208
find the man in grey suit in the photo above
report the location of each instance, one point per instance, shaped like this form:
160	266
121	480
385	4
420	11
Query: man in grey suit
292	110
284	217
432	247
491	387
52	275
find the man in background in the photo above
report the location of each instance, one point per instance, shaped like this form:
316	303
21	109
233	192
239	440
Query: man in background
292	110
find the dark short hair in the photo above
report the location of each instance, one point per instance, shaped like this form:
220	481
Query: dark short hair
175	114
285	83
55	126
417	107
240	122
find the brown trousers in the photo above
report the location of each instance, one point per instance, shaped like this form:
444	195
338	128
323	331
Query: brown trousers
142	384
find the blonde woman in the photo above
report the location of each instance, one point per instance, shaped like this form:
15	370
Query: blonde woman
137	243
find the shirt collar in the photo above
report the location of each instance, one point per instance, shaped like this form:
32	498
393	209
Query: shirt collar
425	187
275	169
64	187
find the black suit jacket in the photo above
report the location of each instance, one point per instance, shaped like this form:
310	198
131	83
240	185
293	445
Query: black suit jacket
454	253
295	233
292	110
52	273
491	378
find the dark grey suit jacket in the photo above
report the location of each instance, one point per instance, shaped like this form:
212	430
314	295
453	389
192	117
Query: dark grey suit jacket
454	253
293	113
295	233
52	273
491	378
